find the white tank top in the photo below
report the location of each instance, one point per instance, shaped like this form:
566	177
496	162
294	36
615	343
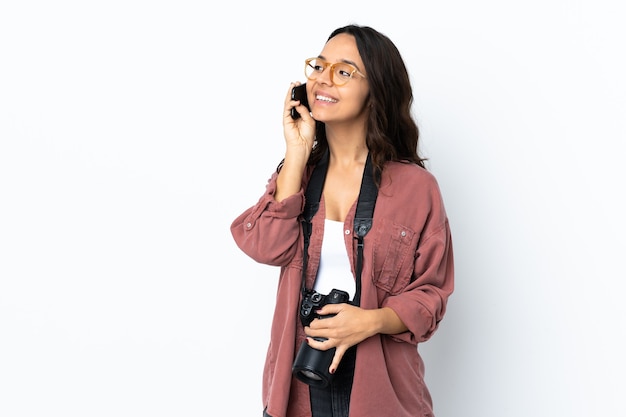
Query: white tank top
334	270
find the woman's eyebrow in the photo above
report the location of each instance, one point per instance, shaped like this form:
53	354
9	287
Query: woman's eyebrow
345	61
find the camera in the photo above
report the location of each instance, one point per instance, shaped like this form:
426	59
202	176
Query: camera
311	365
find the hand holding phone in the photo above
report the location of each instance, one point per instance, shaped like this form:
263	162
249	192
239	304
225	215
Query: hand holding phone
299	93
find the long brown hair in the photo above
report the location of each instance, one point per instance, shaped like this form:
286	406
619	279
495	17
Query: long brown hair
392	133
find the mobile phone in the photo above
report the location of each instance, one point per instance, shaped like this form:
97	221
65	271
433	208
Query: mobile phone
299	93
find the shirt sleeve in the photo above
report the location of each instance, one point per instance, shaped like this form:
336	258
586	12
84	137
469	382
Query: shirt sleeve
268	231
422	304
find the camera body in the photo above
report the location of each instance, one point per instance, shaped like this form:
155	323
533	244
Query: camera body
313	301
311	365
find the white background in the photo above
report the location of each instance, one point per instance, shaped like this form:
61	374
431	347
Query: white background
133	132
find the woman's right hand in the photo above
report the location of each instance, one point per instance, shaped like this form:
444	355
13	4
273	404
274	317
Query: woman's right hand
299	133
299	138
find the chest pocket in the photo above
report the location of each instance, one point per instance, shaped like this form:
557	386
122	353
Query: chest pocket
394	256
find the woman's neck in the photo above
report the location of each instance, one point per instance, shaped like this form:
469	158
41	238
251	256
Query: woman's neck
347	145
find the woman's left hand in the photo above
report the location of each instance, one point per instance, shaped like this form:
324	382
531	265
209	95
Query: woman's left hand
349	326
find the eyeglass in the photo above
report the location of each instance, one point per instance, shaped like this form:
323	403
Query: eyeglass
340	72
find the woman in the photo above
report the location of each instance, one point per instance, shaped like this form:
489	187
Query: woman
396	279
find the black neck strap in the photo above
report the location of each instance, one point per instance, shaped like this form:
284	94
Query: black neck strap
362	219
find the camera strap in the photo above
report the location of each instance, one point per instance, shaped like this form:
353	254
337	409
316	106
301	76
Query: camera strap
362	219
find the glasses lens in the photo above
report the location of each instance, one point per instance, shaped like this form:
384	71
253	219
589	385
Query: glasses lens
313	68
342	73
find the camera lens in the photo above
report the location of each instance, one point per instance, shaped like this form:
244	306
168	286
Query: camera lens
311	365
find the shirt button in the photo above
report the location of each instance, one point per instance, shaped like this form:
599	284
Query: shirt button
403	233
347	231
248	225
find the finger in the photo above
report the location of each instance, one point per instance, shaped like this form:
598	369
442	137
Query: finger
336	360
295	104
288	101
313	335
290	90
319	324
318	344
330	309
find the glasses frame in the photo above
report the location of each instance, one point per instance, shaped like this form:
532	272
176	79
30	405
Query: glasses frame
327	64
